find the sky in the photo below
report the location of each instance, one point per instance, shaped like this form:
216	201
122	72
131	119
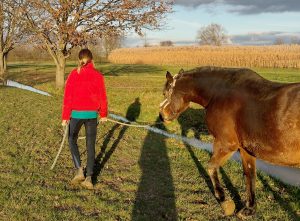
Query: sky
247	22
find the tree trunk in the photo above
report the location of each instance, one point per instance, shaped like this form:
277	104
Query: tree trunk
2	70
5	62
60	71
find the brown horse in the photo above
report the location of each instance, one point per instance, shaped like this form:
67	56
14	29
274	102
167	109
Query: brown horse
245	113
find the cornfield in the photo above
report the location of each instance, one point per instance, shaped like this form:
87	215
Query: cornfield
281	56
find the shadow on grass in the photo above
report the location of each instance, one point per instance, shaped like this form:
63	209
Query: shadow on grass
30	66
283	202
194	119
33	74
104	155
155	198
37	66
234	194
116	70
31	79
133	113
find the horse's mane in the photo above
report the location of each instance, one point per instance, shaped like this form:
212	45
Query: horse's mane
223	72
231	77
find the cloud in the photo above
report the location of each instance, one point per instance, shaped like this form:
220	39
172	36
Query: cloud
248	6
194	3
253	38
134	41
264	38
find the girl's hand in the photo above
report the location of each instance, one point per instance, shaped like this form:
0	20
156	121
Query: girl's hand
103	119
64	123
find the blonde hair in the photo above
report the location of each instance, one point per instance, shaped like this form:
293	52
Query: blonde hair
85	56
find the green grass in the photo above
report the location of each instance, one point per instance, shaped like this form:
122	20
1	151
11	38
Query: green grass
140	175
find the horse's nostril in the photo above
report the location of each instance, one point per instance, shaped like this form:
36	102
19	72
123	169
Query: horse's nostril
161	117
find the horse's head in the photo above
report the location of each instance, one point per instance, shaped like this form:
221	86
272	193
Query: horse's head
175	98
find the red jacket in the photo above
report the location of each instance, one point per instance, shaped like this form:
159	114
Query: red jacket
85	91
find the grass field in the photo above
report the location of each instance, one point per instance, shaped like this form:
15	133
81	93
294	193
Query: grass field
139	175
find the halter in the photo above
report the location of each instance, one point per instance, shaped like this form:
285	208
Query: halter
167	101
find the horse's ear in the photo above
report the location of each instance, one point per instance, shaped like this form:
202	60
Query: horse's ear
180	73
169	77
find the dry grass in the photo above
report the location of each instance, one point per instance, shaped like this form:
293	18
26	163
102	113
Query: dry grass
284	56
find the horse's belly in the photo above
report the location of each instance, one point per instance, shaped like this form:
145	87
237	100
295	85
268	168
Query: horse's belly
281	158
279	151
272	133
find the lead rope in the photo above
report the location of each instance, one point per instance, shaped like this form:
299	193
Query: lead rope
81	138
126	124
147	123
61	146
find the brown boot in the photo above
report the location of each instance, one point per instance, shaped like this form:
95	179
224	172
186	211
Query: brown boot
79	176
87	183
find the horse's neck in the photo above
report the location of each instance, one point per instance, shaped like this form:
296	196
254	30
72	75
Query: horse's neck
207	85
201	90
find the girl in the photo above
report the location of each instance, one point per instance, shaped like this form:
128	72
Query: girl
84	99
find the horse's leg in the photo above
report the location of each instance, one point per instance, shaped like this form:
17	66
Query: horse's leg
249	166
220	155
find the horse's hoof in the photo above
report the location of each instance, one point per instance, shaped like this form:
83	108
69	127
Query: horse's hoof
246	212
228	206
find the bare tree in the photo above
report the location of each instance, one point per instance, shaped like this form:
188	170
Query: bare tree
11	30
166	43
110	43
146	43
213	34
60	25
279	41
